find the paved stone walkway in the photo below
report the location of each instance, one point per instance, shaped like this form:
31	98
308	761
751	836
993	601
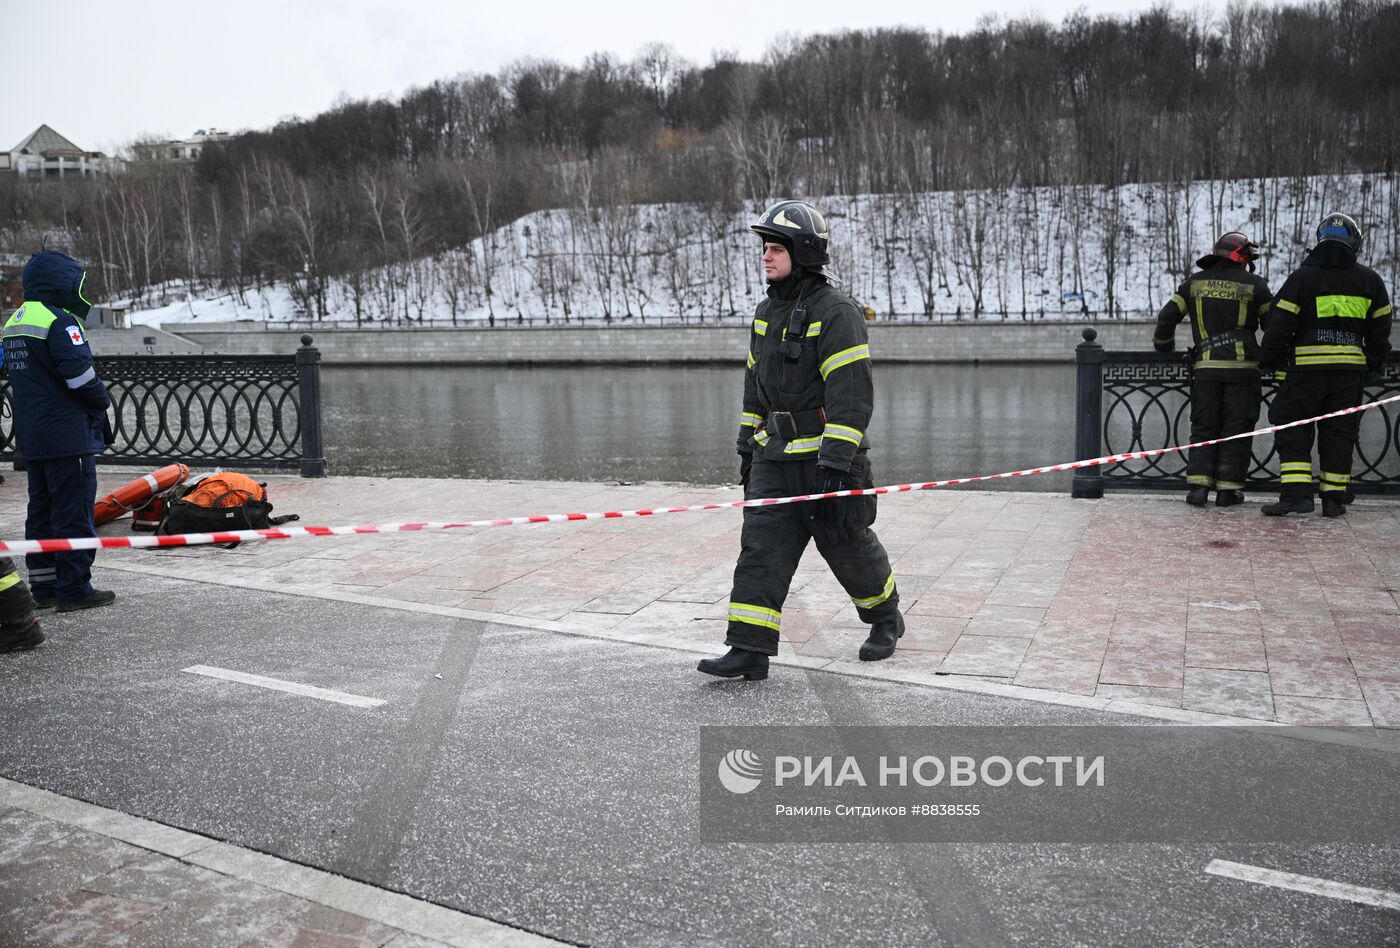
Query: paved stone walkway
76	874
1127	602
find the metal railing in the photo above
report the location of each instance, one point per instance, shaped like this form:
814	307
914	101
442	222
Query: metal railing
233	411
1140	401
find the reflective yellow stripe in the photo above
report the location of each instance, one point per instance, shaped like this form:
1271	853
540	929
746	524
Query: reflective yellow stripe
20	329
1227	365
760	327
1287	466
843	433
1329	355
874	601
1201	328
803	445
761	437
1229	485
1180	303
844	357
1383	311
1296	479
1200	480
1345	307
7	581
1334	481
750	614
1244	315
749	420
815	329
751	361
1286	305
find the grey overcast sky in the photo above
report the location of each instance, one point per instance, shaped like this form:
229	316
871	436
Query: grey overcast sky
103	73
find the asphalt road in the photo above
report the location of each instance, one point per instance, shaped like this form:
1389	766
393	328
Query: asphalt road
550	782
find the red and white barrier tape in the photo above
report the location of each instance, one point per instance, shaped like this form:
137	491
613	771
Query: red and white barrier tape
288	533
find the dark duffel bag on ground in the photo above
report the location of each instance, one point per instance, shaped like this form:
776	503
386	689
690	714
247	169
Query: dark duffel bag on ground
218	502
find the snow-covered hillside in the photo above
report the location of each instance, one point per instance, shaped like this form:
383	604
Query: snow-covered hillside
1032	253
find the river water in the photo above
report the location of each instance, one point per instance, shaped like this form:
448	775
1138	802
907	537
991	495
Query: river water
677	423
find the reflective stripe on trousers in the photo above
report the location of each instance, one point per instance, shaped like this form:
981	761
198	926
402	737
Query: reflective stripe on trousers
772	543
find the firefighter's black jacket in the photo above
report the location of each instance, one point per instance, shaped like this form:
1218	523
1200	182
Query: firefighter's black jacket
1332	313
1225	303
831	373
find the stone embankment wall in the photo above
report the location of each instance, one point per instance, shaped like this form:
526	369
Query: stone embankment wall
638	345
140	340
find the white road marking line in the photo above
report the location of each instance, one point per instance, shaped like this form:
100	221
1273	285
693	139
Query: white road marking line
1310	884
276	684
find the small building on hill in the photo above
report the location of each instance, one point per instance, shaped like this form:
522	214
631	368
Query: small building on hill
188	149
45	153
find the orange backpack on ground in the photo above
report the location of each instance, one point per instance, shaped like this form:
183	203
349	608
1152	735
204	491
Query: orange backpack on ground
225	489
225	500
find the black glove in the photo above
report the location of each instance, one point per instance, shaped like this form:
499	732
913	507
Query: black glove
109	437
745	466
1168	345
841	516
1267	366
1374	377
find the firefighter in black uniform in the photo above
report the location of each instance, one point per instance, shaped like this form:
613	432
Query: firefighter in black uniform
808	397
1330	325
19	630
1225	301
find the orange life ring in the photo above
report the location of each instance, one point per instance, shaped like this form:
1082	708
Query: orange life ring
127	498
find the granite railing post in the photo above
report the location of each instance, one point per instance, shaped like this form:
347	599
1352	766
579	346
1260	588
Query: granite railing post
313	452
1088	415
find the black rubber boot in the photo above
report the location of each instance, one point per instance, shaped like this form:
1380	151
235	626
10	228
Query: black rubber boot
735	663
98	597
1287	505
1197	496
1229	498
1333	506
20	637
883	636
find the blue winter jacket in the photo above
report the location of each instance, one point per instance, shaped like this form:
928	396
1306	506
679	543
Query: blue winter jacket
60	405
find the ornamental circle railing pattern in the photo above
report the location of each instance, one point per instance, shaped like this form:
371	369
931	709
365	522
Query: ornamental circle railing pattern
232	411
1146	405
226	410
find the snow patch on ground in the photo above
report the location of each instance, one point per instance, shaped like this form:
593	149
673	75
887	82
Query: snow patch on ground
273	303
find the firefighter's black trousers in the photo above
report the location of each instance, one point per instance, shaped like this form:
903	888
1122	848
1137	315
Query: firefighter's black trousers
774	539
16	604
1303	395
1220	408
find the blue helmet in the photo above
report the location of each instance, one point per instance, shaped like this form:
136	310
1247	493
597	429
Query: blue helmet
1341	229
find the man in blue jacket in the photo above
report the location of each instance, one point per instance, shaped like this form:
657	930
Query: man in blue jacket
60	408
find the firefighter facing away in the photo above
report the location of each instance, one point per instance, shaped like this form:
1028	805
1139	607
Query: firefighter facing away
1329	328
1225	301
808	397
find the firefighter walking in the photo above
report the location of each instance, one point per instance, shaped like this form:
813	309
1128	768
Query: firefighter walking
808	398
